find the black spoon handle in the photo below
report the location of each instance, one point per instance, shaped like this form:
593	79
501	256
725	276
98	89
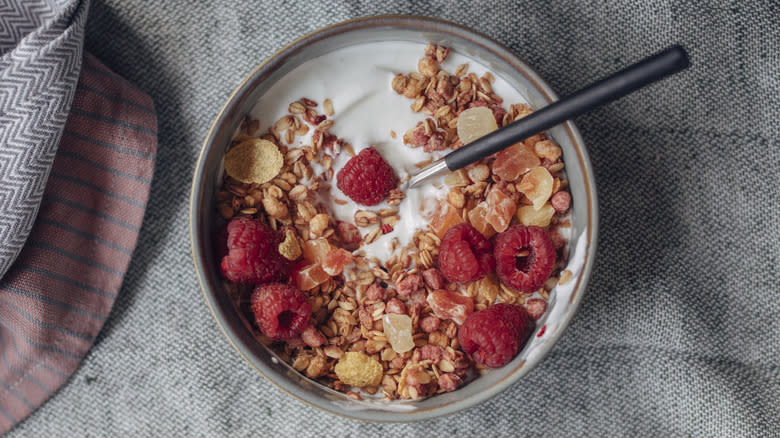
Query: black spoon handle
632	78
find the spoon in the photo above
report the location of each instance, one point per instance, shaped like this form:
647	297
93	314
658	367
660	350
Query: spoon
651	69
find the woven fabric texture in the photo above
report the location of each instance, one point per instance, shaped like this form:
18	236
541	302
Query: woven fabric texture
678	334
40	59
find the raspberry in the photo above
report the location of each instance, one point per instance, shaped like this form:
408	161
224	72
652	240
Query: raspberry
366	178
465	254
494	336
281	311
524	257
253	254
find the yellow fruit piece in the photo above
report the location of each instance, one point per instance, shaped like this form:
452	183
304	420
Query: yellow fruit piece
358	369
473	123
254	161
398	329
529	216
537	185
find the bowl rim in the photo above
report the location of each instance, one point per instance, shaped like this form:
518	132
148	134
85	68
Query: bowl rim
421	23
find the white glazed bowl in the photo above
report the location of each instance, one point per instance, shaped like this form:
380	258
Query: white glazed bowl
564	300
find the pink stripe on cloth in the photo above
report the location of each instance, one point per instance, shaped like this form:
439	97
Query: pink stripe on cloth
58	294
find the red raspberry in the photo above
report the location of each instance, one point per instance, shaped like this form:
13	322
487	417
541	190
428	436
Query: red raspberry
465	254
253	254
281	311
524	257
366	178
494	336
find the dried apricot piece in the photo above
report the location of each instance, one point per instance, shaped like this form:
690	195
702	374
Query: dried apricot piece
477	217
447	304
336	260
254	161
358	369
514	161
500	209
314	250
308	276
443	218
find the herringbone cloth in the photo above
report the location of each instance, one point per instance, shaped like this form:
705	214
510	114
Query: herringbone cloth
41	44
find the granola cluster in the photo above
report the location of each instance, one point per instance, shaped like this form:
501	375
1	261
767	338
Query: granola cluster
390	327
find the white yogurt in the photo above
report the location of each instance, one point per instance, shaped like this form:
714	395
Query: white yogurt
357	79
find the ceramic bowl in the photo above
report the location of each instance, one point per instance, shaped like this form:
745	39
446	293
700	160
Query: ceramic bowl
564	299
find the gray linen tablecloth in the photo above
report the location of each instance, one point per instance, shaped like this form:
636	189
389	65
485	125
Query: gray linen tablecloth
679	332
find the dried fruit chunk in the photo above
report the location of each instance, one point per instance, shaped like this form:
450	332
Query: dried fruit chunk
334	262
477	218
465	254
444	217
314	250
494	336
398	329
308	276
281	311
537	185
358	369
254	161
524	257
447	304
500	209
529	216
515	161
473	123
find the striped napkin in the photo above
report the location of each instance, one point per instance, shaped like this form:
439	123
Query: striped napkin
56	294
